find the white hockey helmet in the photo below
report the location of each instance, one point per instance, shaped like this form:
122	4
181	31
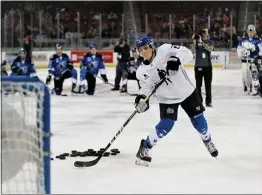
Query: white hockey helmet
251	28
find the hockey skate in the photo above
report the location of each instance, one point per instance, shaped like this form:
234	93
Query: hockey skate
81	89
211	148
143	155
73	88
124	89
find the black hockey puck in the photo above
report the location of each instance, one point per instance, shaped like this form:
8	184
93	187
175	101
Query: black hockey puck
90	150
51	158
62	158
82	155
78	153
74	151
100	152
102	149
113	153
106	154
64	154
73	155
114	149
58	156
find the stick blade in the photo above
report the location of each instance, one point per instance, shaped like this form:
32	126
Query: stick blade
86	163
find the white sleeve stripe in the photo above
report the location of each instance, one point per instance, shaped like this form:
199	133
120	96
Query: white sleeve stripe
102	71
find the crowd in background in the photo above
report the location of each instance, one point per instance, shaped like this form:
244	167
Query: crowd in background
159	25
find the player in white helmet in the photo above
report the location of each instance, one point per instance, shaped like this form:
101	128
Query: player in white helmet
248	50
178	92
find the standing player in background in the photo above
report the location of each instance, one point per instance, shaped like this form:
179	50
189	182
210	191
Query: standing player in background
91	64
132	65
123	54
248	50
23	65
258	63
61	68
178	91
3	68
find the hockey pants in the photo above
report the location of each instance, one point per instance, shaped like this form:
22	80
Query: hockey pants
59	81
90	78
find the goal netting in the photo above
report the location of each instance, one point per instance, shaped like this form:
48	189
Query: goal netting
25	136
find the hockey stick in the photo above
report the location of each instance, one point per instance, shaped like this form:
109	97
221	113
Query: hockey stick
114	86
94	162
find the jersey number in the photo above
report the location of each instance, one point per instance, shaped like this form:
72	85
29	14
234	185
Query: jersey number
175	46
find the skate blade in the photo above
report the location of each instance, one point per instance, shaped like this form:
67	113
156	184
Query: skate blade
142	163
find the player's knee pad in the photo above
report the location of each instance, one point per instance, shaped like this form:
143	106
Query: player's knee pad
164	127
200	124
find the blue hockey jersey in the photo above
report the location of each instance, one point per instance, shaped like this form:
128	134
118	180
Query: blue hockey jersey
93	63
258	47
23	67
58	64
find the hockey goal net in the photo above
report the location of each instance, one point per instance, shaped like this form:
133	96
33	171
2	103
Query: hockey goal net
25	140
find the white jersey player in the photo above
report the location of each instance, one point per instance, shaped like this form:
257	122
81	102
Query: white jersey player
248	50
179	91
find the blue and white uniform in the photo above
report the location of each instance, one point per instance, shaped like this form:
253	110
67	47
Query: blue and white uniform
248	50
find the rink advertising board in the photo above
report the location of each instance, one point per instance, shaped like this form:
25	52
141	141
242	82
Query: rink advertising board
77	56
220	59
217	58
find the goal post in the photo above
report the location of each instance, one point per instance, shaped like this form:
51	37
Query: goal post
25	136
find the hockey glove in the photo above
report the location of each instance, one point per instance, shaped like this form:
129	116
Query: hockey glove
141	106
48	79
70	66
104	77
173	64
19	71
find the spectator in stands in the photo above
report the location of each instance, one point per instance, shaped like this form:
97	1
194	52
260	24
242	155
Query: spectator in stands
27	46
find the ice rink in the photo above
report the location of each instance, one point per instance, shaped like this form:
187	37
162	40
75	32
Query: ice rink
180	164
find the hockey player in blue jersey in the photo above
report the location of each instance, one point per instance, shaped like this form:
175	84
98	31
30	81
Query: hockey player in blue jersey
22	65
61	68
91	64
248	50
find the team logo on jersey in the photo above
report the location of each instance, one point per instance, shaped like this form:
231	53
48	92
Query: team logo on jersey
170	111
198	108
146	76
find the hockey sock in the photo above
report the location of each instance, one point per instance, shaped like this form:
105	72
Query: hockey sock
200	124
161	130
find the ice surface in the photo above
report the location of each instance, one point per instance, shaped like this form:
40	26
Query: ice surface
181	163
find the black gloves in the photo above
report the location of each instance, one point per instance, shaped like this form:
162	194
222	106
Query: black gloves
104	77
173	64
48	79
70	66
